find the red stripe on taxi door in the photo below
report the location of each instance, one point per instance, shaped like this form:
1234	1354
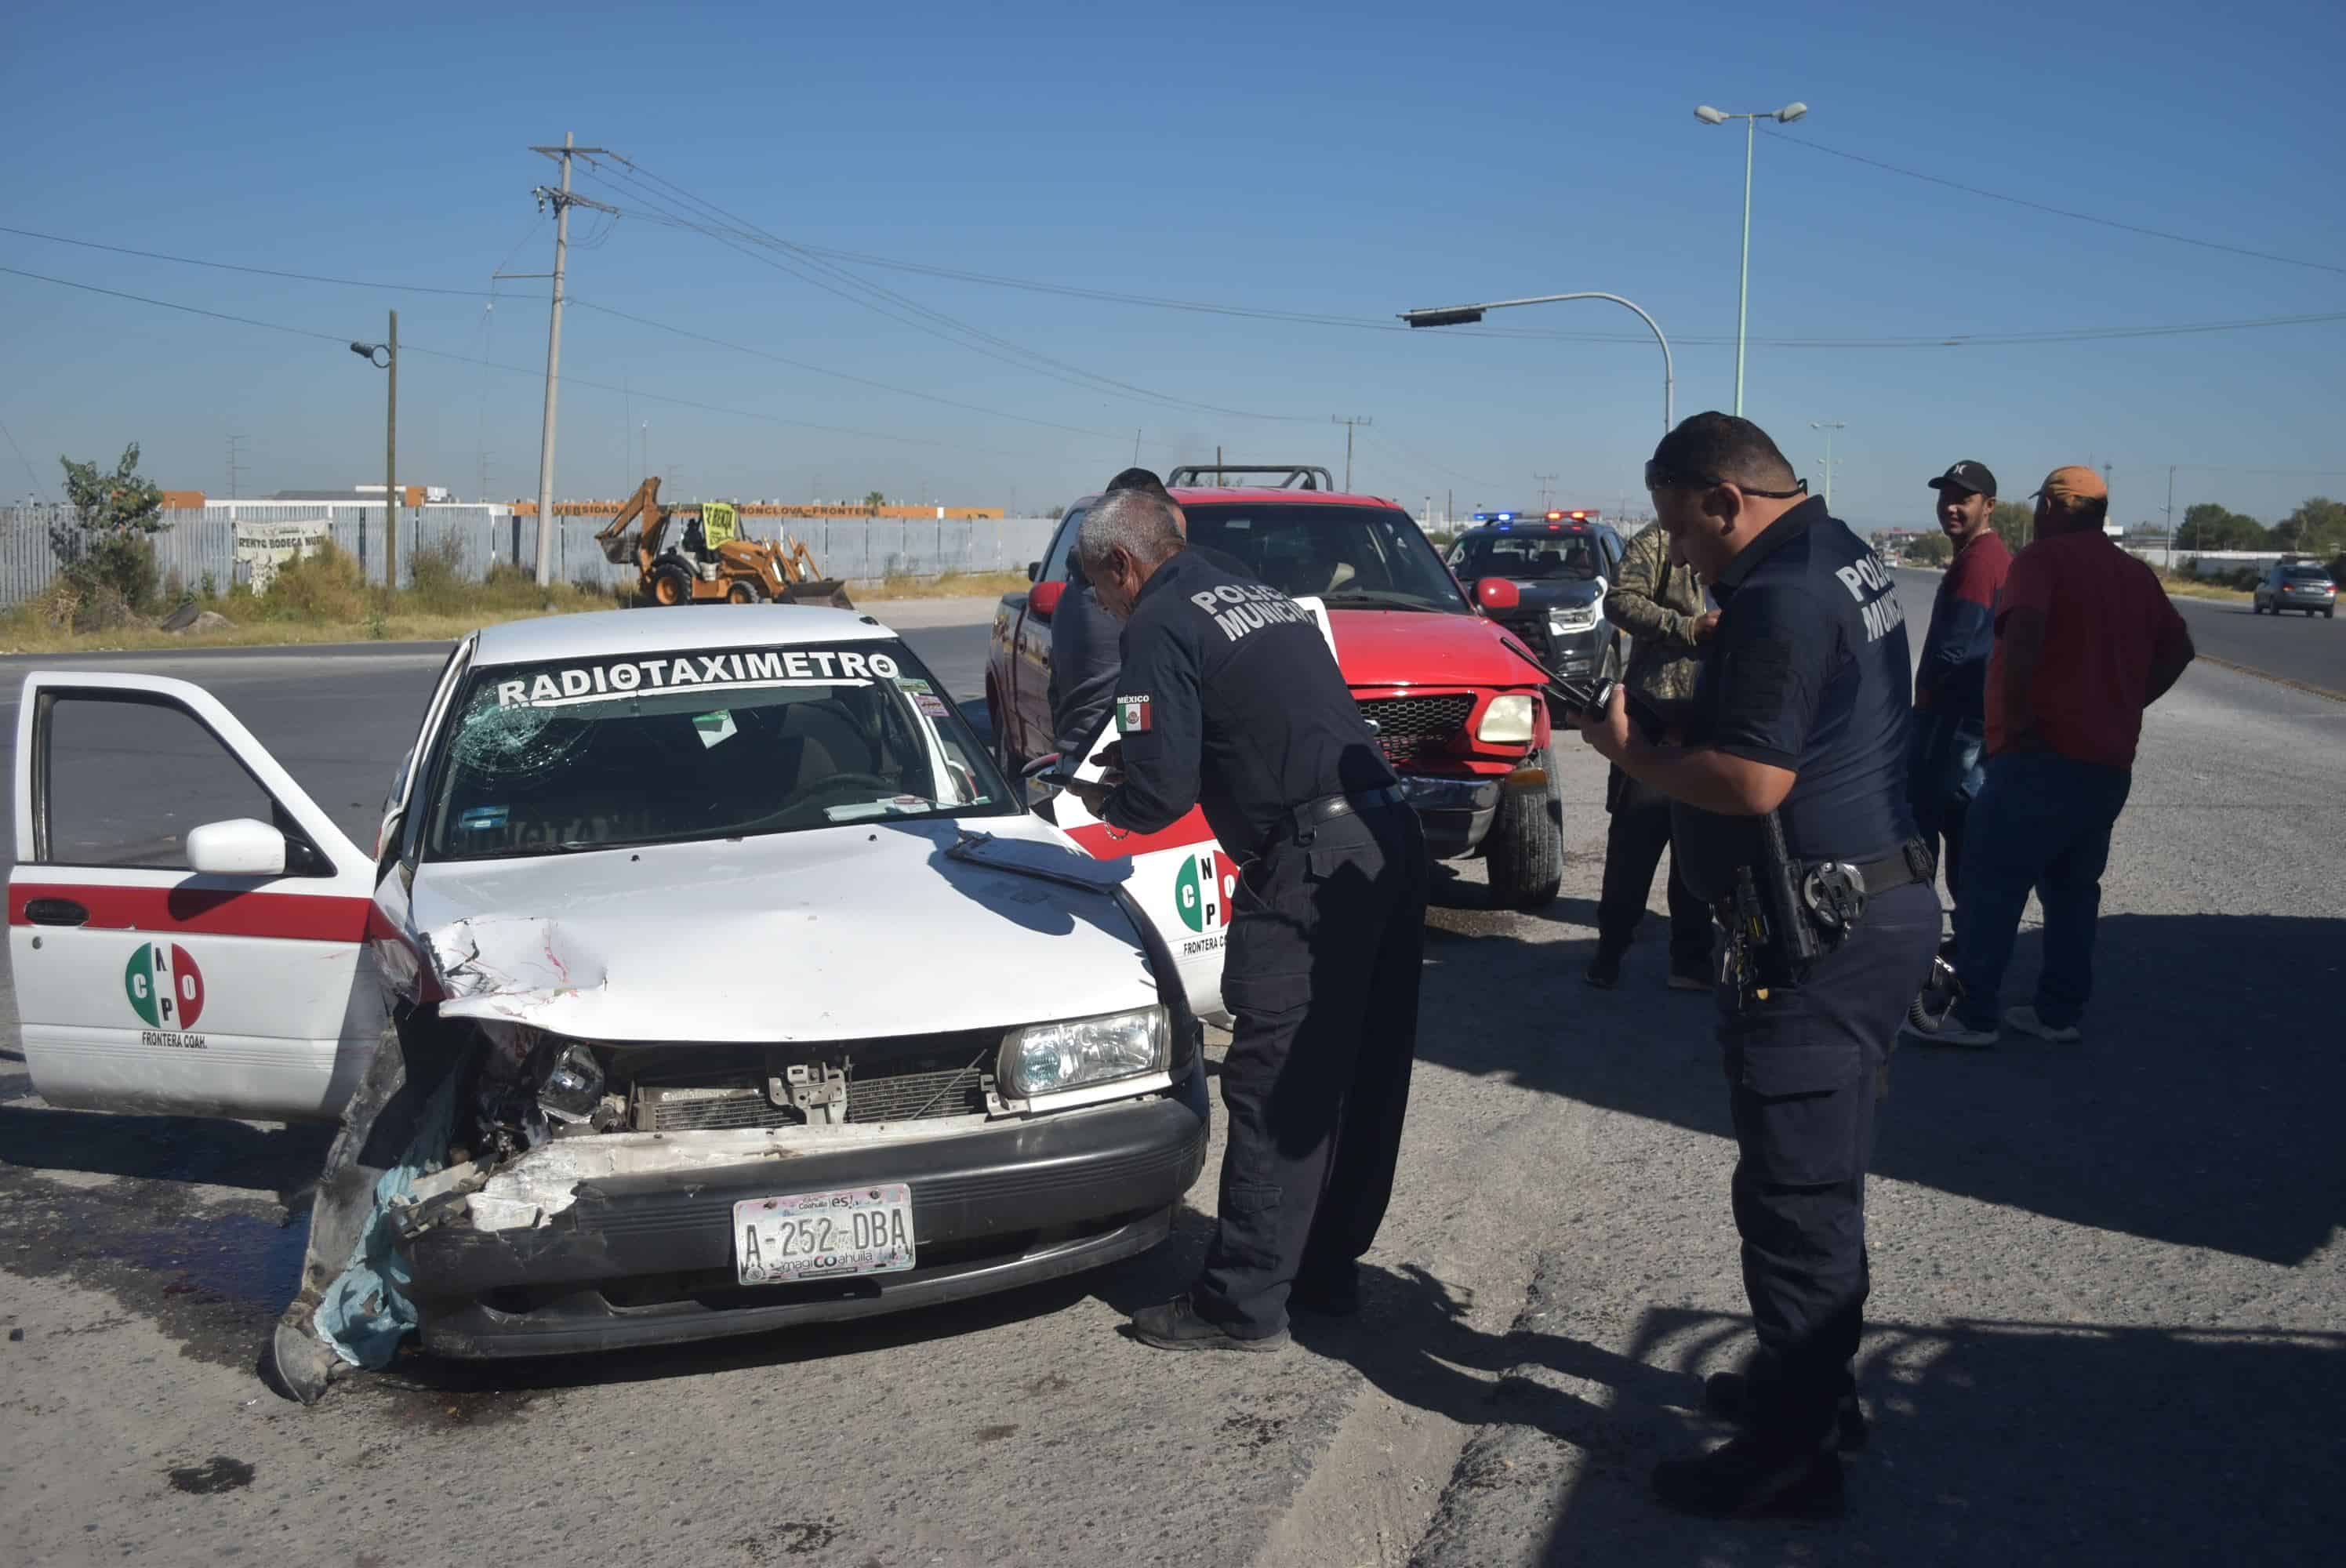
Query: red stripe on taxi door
207	911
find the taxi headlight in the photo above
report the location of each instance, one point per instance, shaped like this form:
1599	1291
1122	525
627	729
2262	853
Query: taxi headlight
1571	618
1045	1058
1508	718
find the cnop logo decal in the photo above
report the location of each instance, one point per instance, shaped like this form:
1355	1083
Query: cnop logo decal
1203	889
165	987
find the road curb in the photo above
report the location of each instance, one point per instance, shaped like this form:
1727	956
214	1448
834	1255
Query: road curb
2294	685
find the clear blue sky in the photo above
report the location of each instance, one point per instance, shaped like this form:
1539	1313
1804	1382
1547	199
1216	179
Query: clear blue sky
1345	159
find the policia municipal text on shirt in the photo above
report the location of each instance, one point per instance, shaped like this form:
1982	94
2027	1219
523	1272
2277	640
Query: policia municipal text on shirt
1229	699
1792	777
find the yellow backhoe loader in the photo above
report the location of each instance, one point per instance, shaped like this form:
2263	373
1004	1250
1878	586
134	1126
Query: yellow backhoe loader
712	562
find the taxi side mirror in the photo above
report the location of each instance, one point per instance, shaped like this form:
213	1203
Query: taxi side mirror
240	847
1497	594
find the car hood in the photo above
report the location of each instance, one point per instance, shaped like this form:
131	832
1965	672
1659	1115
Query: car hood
858	931
1422	648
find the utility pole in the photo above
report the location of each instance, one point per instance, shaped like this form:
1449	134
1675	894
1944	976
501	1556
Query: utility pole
391	466
1827	426
2170	514
1350	424
1546	482
235	468
563	202
1136	449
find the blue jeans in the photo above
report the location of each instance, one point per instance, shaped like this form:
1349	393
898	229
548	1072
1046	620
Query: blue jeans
2043	821
1944	777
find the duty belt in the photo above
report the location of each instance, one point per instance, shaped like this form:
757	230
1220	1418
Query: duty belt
1301	819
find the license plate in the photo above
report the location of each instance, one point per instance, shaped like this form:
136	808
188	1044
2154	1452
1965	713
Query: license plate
822	1234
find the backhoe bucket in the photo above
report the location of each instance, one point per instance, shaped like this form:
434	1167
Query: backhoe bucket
830	591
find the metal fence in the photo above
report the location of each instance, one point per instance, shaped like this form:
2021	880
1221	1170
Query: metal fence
199	545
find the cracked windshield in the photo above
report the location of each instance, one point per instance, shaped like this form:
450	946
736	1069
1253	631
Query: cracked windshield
667	748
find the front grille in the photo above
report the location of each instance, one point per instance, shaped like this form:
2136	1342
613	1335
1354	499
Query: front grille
1408	728
708	1110
913	1096
898	1097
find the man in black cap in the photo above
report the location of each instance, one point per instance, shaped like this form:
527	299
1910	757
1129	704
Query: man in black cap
1789	815
1943	766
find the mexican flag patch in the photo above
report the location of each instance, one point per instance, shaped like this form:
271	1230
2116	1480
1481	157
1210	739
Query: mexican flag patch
1132	716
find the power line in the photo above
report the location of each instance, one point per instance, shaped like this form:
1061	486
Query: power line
256	271
1916	340
468	360
494	296
2057	211
880	299
19	450
842	375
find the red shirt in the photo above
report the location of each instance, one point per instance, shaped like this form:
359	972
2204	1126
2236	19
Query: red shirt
2105	615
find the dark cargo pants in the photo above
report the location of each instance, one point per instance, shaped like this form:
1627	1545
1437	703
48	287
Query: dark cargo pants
1322	976
1800	1072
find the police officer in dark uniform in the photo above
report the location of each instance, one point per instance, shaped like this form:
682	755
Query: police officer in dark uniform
1229	699
1790	816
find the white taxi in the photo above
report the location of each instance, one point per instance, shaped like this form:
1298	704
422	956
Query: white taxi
705	977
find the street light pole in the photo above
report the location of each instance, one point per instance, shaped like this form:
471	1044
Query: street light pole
1743	272
391	466
1827	426
1711	116
1462	315
384	356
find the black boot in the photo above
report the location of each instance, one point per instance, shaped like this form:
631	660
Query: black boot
1176	1326
1604	971
1747	1478
1729	1394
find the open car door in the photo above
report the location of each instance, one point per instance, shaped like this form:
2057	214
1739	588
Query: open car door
1181	877
185	925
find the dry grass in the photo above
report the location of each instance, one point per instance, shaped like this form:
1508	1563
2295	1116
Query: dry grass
321	599
952	585
2188	587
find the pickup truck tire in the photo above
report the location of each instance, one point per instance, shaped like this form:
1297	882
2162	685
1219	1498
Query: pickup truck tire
1524	851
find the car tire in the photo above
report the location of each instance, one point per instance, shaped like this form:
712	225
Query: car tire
670	587
1524	848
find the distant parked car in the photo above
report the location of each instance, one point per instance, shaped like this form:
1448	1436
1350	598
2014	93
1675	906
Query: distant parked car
2295	586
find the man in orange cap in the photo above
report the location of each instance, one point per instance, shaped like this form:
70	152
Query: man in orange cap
2085	640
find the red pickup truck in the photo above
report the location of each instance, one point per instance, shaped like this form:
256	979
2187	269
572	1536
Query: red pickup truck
1454	710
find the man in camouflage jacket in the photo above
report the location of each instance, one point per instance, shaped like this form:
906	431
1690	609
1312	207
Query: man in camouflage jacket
1659	603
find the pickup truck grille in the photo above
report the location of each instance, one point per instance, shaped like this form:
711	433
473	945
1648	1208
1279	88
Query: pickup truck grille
1407	727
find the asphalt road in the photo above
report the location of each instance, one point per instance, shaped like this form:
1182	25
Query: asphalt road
2308	649
2107	1278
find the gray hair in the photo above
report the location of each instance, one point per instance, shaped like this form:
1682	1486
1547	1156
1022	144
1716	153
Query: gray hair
1144	527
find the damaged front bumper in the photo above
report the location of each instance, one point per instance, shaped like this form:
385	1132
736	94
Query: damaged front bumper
644	1255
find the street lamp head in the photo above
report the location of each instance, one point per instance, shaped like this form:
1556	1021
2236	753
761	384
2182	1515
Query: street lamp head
1708	116
1791	112
1451	316
369	353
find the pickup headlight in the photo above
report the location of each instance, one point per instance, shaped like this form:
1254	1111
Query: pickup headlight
1507	719
1571	618
1046	1058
